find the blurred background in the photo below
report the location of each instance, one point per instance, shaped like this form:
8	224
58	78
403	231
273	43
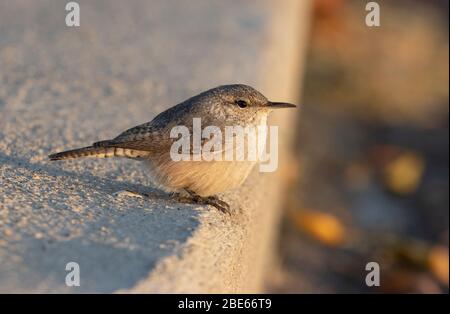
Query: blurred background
369	182
373	153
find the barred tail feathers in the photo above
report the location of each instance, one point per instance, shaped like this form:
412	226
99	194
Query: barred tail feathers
98	152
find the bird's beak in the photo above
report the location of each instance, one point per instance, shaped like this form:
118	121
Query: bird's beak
277	105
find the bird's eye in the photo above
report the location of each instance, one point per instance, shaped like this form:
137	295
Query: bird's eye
241	103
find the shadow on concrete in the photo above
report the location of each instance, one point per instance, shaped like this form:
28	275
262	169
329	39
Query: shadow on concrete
137	236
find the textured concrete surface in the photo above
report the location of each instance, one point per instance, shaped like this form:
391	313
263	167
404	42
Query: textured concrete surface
66	87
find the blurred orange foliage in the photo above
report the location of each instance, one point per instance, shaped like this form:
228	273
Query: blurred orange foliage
323	227
438	263
403	174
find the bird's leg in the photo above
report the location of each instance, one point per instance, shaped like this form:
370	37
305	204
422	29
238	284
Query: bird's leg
219	204
210	200
193	198
182	198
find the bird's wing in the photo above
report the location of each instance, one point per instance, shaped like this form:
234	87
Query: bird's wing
150	136
143	137
154	136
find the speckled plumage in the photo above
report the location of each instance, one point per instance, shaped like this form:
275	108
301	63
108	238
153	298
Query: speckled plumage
151	142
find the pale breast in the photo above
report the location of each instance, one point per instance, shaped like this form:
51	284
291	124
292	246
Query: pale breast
204	177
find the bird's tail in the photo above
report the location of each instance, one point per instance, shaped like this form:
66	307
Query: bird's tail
98	152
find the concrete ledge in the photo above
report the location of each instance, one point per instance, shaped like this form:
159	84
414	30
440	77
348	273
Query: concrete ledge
65	87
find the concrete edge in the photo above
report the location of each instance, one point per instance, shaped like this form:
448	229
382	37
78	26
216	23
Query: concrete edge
233	255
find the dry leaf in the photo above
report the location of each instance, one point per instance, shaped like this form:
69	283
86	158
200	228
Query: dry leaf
402	175
438	263
323	227
408	281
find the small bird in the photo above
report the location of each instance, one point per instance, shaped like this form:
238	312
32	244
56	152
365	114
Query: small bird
191	181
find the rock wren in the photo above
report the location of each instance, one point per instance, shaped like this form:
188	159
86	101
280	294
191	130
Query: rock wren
151	142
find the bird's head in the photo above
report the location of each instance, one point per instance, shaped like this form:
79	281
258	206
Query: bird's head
239	103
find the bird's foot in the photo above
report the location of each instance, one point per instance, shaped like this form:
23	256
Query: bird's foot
217	203
194	198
